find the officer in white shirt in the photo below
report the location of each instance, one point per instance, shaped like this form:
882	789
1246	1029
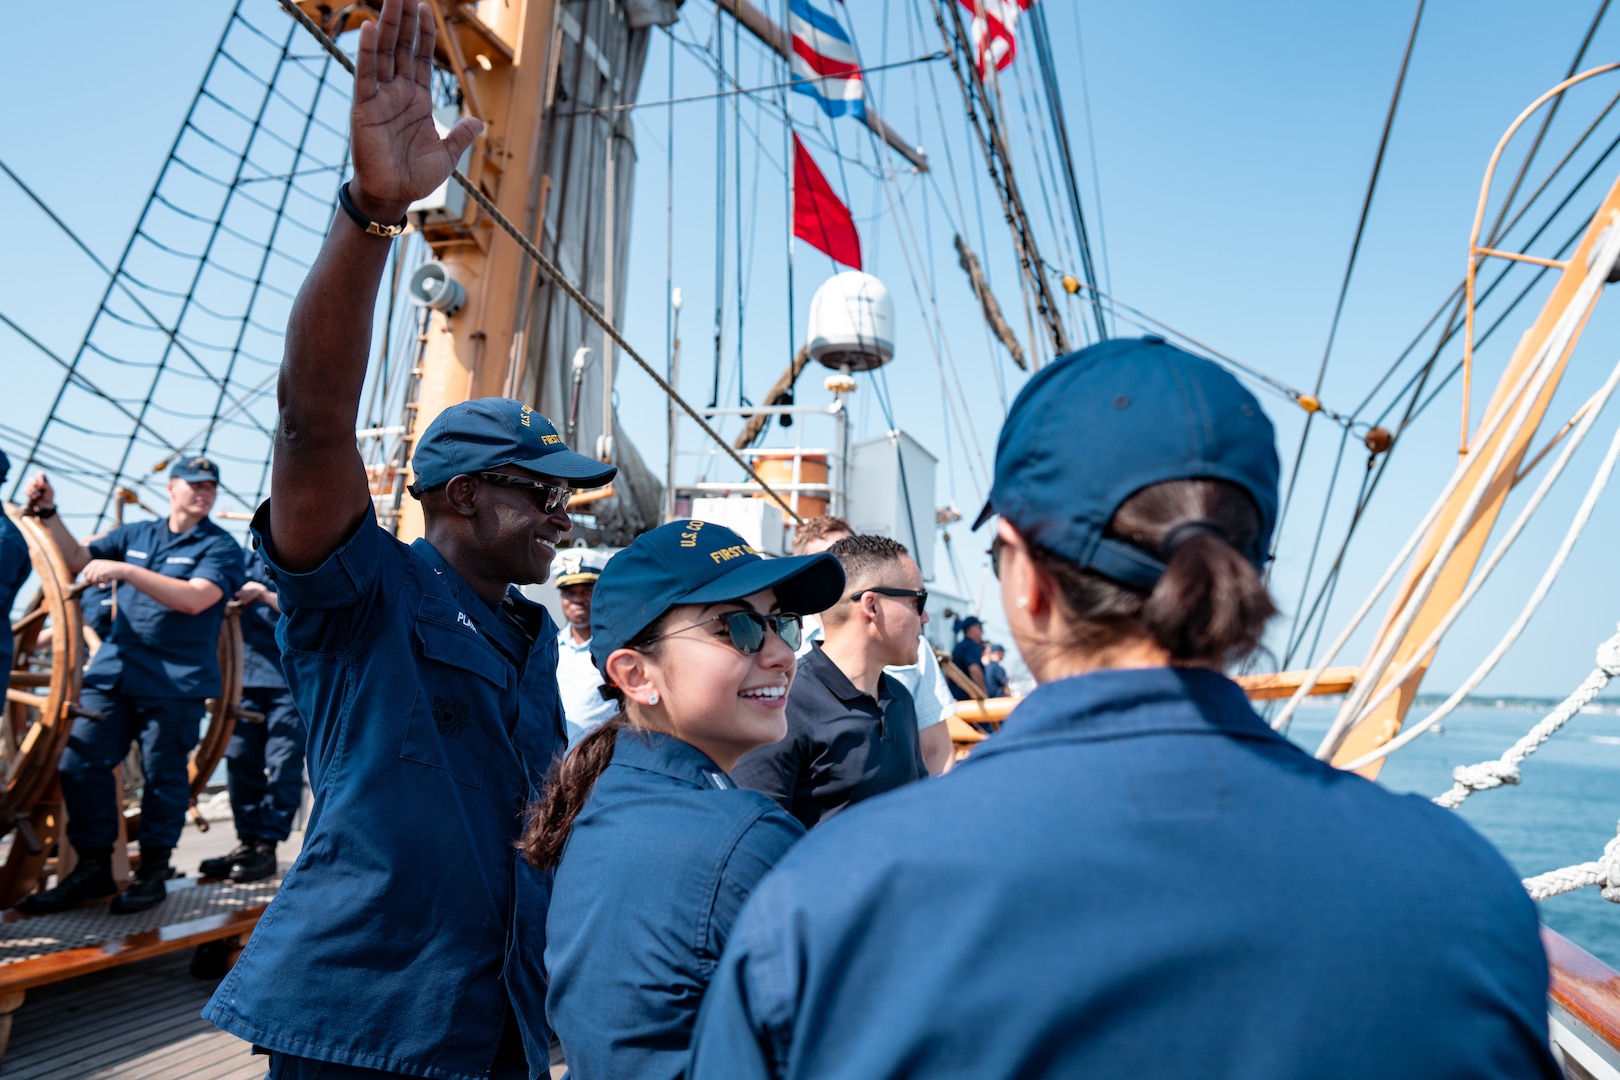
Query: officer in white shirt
574	571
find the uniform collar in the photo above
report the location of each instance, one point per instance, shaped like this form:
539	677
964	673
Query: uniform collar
565	638
655	751
833	678
1124	703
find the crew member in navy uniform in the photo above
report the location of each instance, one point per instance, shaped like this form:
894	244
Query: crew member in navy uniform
96	602
264	761
574	571
969	657
149	680
407	937
14	570
695	631
1144	879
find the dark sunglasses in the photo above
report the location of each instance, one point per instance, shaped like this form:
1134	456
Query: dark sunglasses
995	556
920	595
551	496
747	629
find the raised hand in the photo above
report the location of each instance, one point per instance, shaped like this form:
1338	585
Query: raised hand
398	154
40	494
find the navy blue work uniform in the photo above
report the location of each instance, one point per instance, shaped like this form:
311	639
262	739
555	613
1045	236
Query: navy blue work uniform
14	570
995	679
264	762
660	860
843	745
96	603
150	680
408	929
1143	880
967	653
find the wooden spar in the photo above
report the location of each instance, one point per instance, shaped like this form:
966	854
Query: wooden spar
759	24
1385	721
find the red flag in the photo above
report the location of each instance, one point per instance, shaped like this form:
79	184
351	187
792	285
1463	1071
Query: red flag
819	217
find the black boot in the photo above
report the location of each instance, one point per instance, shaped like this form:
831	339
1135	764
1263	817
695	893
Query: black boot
220	865
256	865
147	890
91	880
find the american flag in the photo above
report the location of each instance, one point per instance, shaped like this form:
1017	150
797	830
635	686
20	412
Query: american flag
994	23
823	62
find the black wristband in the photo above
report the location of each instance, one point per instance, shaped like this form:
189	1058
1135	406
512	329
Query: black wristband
372	228
45	513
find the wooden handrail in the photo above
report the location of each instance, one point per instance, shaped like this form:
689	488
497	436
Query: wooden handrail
1584	987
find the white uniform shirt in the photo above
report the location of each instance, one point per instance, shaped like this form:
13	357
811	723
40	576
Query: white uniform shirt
923	680
584	709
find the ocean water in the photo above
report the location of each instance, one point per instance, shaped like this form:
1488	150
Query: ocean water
1563	812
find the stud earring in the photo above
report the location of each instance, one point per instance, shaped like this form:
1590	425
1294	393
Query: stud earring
1023	601
653	699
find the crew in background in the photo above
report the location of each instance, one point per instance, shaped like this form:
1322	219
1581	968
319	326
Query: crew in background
995	676
969	656
851	728
14	569
574	571
264	761
1117	878
96	602
149	681
924	681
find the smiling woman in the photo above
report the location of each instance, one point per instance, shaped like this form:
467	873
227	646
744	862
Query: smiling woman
654	847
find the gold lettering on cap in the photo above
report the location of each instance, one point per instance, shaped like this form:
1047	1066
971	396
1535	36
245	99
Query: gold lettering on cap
548	439
735	551
689	536
524	412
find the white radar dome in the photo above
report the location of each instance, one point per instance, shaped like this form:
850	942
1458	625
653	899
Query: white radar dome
851	323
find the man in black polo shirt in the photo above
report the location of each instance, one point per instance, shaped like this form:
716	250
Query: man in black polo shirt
852	730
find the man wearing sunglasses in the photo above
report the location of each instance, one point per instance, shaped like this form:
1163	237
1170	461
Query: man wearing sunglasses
408	938
852	729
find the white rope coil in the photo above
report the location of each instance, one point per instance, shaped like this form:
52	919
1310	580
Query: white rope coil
1485	775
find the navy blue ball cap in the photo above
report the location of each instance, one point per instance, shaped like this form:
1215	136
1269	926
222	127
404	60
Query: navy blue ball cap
487	433
699	562
194	470
1093	428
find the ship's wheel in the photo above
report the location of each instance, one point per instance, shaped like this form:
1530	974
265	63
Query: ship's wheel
51	645
42	701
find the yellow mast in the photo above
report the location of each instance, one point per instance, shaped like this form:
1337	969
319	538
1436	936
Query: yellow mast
1384	722
501	52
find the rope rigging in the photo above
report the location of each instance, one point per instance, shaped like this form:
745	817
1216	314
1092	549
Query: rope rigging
1349	271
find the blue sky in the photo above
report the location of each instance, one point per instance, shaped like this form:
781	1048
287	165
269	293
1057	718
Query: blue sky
1233	146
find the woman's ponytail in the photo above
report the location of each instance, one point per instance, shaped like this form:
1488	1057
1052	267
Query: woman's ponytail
1209	607
567	787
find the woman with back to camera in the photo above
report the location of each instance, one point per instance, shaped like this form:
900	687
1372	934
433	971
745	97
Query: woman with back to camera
655	849
1136	876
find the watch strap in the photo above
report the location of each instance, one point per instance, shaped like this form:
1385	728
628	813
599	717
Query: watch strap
372	228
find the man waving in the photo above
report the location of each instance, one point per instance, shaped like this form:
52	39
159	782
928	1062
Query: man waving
406	939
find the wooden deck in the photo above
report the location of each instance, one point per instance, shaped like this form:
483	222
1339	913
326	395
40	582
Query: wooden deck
136	1022
132	1011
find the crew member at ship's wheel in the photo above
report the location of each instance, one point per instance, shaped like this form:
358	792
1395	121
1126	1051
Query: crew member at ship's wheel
14	570
407	938
264	761
1136	877
150	680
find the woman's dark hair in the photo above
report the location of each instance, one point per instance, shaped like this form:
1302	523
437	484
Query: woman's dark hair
574	774
1209	607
